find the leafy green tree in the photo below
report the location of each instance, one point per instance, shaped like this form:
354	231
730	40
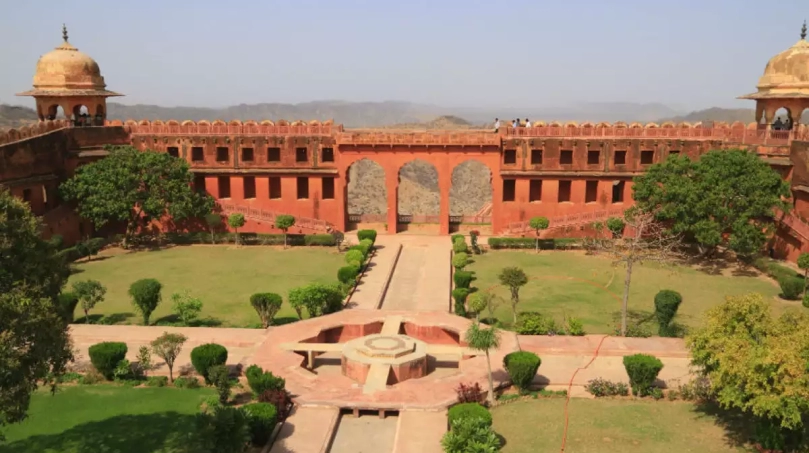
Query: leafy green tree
318	298
538	224
129	185
168	347
616	226
219	375
726	198
214	222
482	300
90	293
236	221
144	359
803	263
514	278
266	305
482	339
284	223
756	363
186	307
146	296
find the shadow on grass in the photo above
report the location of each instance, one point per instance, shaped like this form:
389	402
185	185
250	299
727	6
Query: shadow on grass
159	432
284	320
740	427
114	318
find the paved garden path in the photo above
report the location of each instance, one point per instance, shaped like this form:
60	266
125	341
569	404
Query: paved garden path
364	434
421	280
369	293
307	430
420	432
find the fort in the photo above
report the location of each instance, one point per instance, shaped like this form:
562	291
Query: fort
571	173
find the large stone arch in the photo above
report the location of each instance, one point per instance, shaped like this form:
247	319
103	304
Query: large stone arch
418	193
471	188
366	192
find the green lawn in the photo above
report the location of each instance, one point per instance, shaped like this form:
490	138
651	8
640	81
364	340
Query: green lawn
573	284
106	418
224	277
609	426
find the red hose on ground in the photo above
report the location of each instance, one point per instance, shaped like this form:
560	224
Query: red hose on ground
570	386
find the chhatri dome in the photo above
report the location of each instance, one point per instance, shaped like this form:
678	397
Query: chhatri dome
786	74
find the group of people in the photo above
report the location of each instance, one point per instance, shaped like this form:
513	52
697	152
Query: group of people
779	125
514	124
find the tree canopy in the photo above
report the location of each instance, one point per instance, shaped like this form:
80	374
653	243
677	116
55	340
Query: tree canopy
129	184
726	198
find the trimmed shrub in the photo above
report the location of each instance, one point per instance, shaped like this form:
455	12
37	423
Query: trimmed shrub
260	381
67	305
319	239
262	418
348	274
534	323
469	410
791	287
266	305
220	378
367	243
187	382
469	435
616	226
205	356
354	255
157	381
642	370
522	366
460	260
601	387
575	327
106	356
145	295
459	295
666	304
280	399
459	246
221	429
462	279
530	243
367	234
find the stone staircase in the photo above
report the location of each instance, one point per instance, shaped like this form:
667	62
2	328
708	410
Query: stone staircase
565	221
263	215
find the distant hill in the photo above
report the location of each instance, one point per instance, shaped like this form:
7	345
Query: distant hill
13	116
715	114
445	122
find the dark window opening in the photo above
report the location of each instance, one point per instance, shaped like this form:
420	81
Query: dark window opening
199	183
174	151
249	186
618	191
509	189
247	154
327	155
275	187
222	154
535	190
593	157
303	188
591	192
647	157
197	154
26	195
620	157
273	154
328	188
300	155
566	157
536	157
510	156
564	191
224	186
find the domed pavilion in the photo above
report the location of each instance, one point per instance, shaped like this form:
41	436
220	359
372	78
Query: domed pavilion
785	84
72	80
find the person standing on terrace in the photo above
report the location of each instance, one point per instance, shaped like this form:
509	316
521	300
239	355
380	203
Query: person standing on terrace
496	125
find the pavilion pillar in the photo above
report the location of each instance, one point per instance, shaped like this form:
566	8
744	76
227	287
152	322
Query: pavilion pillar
443	203
392	185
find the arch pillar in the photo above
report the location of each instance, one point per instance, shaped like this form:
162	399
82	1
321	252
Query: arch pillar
444	184
340	192
392	186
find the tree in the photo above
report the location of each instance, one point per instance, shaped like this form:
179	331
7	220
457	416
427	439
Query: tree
616	226
514	278
484	340
756	363
214	222
186	307
266	305
144	360
236	221
129	185
168	347
803	263
482	300
651	242
35	345
538	224
146	296
318	298
90	293
726	198
284	223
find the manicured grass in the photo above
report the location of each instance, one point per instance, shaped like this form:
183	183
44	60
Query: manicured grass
106	418
224	277
609	426
573	284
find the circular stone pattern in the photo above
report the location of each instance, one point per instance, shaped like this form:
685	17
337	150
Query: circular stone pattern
390	346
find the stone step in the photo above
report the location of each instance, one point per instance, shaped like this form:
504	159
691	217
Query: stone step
377	378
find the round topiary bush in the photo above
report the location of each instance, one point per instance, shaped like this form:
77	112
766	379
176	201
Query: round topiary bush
348	274
522	366
105	356
791	287
262	418
469	410
366	234
462	279
205	356
642	370
460	260
667	302
354	255
459	246
367	243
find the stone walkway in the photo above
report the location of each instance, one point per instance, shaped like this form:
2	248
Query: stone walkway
307	430
421	280
420	432
364	434
369	292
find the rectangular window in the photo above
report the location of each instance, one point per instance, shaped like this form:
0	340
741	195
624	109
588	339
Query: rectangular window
247	154
566	157
197	154
174	151
224	186
303	188
620	157
249	187
273	154
618	191
536	157
535	190
327	155
275	187
593	157
199	183
328	188
300	155
564	191
509	189
510	156
222	154
26	195
591	192
647	157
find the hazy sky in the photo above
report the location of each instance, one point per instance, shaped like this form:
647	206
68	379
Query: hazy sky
688	53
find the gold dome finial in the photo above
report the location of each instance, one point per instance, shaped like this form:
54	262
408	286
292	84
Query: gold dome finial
803	30
64	32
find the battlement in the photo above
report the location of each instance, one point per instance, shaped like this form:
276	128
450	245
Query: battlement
233	127
26	132
406	138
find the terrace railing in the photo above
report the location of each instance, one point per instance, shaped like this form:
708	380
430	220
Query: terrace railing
565	221
262	215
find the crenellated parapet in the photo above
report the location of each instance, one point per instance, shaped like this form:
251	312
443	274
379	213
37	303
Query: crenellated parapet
233	127
26	132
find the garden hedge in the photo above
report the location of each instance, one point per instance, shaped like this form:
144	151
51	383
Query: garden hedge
367	234
206	356
642	370
469	410
260	381
252	239
348	274
791	287
262	418
530	243
105	356
522	366
462	279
